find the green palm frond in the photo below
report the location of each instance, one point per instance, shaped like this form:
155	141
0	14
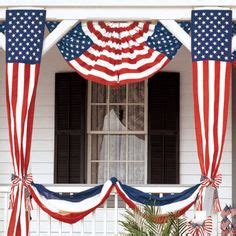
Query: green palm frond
143	223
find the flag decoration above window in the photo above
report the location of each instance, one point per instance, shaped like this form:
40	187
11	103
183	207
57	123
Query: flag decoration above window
115	53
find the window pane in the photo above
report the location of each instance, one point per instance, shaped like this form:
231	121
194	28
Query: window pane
136	173
117	118
136	92
98	172
99	119
98	93
118	94
136	117
136	147
117	147
99	147
118	170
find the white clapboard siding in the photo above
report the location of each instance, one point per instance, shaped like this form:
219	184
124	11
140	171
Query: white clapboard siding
42	155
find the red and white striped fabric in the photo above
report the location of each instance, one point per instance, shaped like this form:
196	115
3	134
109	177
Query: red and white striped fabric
22	69
211	89
204	229
115	53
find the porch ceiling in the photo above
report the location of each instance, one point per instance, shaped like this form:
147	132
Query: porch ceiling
117	10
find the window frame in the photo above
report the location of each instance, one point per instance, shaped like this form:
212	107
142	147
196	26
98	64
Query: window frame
90	132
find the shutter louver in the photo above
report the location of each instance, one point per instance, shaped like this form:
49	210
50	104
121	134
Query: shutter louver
70	126
163	122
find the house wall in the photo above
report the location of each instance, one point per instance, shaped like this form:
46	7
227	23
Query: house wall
42	155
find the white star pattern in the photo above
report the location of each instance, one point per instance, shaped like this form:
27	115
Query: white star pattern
163	41
23	38
74	44
211	40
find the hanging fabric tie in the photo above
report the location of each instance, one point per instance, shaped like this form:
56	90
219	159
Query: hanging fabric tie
25	181
211	55
24	40
203	229
215	183
115	53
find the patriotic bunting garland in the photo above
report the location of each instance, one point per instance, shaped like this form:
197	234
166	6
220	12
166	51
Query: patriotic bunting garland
71	209
117	53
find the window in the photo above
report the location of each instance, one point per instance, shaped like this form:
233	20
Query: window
117	133
130	132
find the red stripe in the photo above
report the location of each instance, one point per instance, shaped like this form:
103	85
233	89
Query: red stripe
103	38
206	111
216	114
198	124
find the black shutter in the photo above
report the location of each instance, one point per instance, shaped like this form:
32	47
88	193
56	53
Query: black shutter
163	133
70	118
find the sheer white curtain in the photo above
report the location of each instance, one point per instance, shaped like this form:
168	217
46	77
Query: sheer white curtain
121	154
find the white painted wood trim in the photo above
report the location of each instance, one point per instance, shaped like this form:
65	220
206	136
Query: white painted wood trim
234	43
98	3
117	10
178	32
3	41
63	27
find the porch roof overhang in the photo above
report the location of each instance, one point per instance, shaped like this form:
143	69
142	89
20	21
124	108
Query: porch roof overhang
118	10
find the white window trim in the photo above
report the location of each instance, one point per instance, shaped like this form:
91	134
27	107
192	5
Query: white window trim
90	132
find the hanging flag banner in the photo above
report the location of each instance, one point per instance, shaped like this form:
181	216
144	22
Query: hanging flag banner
115	53
72	208
24	40
211	54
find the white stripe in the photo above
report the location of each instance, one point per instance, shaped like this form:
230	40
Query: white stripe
211	113
19	105
221	105
201	104
124	65
66	206
10	80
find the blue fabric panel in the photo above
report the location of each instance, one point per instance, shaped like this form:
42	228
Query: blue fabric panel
153	200
77	197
